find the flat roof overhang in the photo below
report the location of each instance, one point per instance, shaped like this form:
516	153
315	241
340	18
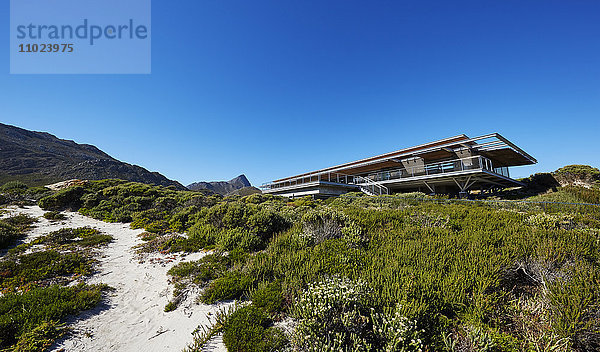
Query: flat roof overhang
495	147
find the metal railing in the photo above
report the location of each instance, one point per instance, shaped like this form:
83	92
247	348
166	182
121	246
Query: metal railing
371	181
334	177
370	187
444	167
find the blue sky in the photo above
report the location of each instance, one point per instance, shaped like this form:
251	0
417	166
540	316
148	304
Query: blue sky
275	88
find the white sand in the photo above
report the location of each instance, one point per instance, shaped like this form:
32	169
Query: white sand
133	318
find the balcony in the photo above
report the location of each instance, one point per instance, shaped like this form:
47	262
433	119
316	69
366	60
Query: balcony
444	167
374	179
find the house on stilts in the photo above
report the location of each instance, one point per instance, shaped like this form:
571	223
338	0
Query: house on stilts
455	165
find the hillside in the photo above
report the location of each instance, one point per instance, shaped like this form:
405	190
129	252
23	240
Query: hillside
404	272
39	158
222	187
571	184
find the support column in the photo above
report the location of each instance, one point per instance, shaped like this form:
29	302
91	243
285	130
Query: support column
431	188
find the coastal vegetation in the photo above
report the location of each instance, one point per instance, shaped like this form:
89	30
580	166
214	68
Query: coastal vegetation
404	272
13	228
41	283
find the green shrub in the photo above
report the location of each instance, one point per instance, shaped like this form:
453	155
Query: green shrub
257	198
13	228
266	223
201	271
82	236
21	221
551	221
229	286
569	194
323	224
332	308
13	185
575	312
42	265
581	170
68	198
268	296
240	238
17	193
247	330
8	235
307	201
43	305
200	236
334	315
394	332
171	306
54	215
40	338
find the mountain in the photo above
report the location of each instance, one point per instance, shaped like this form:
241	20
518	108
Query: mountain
222	187
40	158
246	191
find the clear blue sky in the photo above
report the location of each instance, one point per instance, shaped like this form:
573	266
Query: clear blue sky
274	88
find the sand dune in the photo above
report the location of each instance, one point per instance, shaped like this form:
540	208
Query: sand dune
133	317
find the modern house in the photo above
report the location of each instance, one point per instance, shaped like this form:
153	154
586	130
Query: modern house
455	165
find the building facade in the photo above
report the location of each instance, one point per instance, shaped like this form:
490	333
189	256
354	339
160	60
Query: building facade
455	165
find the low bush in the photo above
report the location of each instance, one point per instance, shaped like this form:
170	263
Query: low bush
14	228
240	238
21	221
268	296
327	223
68	198
160	243
13	185
54	215
171	306
8	235
575	308
247	330
332	315
570	194
37	266
578	174
69	237
200	236
43	305
17	193
200	272
229	286
41	337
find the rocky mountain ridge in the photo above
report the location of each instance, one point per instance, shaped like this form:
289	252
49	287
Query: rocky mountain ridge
41	158
222	187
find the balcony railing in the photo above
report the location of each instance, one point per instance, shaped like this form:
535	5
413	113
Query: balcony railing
445	167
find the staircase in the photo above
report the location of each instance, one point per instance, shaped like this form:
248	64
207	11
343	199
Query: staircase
370	187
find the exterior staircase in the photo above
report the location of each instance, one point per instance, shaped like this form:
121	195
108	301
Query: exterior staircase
370	187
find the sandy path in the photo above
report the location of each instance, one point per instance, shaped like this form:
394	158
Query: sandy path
133	318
